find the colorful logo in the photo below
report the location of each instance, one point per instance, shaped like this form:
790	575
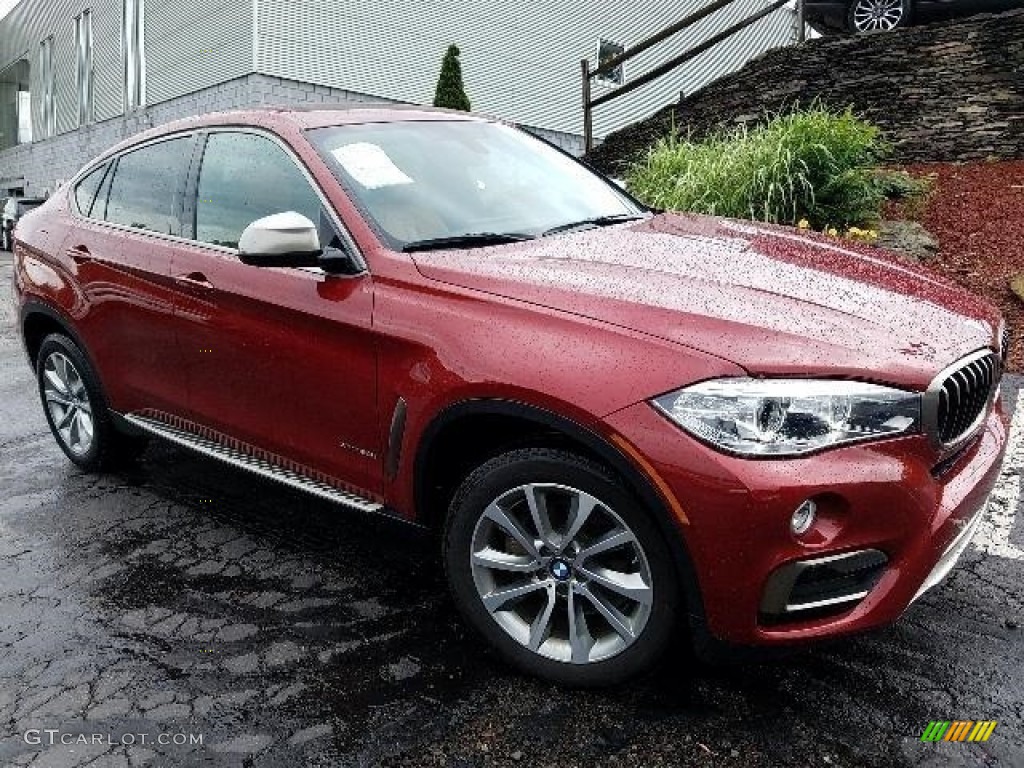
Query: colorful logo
958	730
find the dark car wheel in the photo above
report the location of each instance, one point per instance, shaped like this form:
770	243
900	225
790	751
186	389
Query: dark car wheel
559	567
878	15
76	408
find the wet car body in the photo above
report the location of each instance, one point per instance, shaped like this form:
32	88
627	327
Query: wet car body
387	385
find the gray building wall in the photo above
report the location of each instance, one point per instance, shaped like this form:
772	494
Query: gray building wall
44	165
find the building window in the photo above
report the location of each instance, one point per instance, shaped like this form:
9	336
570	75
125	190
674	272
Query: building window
133	42
24	117
83	40
607	50
47	115
15	105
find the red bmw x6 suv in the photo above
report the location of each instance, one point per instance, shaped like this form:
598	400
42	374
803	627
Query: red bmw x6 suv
620	421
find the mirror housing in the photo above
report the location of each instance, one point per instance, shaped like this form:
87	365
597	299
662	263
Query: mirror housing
286	239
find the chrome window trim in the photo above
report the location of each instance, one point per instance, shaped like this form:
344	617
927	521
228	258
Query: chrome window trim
346	236
930	401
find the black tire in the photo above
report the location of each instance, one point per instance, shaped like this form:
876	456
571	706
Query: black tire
904	8
108	448
505	474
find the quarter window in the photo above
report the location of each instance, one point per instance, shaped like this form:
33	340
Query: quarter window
245	177
85	192
144	191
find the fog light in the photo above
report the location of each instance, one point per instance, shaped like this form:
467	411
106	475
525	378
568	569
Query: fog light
803	518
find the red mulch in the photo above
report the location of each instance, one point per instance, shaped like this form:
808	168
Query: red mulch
977	215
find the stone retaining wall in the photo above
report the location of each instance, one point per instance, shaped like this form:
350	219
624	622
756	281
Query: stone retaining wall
946	92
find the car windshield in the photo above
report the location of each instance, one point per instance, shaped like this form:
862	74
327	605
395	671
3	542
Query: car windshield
465	183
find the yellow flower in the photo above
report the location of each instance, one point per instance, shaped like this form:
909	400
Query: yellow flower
803	224
832	232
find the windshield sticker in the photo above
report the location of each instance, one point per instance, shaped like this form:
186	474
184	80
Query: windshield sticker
369	165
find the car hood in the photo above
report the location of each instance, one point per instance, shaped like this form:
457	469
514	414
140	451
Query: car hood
770	299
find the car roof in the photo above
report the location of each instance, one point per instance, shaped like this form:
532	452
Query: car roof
303	118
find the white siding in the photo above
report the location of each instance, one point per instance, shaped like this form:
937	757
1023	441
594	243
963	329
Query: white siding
520	61
190	45
33	20
108	63
193	44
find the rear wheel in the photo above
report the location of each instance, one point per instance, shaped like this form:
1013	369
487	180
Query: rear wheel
76	408
557	565
878	15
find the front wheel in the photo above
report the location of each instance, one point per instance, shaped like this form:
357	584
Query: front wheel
878	15
76	408
560	568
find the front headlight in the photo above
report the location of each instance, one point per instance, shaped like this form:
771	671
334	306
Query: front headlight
788	417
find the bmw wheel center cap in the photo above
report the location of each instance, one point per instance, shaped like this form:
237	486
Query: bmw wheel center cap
560	569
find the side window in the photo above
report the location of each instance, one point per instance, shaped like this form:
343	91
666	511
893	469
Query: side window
143	192
245	177
85	192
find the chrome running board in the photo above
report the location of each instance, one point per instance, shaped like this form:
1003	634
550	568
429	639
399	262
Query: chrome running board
257	466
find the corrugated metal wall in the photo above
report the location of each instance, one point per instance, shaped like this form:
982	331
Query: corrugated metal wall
193	44
519	62
190	45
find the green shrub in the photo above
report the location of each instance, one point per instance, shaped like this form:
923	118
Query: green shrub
451	91
814	164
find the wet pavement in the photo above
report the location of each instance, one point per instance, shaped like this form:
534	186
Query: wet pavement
184	602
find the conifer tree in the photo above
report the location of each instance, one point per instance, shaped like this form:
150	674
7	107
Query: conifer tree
451	92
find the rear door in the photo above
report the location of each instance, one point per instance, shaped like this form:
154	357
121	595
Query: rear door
281	359
126	224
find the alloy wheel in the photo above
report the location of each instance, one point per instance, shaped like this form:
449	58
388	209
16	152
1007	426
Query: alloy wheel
561	573
67	401
877	15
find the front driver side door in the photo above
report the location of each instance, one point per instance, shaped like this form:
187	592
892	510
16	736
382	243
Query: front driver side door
283	360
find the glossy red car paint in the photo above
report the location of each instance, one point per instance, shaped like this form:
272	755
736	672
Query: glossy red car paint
589	327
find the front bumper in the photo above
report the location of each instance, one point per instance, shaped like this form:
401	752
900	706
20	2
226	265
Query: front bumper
893	497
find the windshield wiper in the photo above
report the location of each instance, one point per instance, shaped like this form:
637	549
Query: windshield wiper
468	240
596	221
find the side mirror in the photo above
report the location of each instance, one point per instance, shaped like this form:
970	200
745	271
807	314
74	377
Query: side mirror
283	240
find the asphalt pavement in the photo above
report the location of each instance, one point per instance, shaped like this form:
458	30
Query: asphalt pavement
185	613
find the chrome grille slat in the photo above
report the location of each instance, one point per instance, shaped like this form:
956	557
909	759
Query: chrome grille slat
961	394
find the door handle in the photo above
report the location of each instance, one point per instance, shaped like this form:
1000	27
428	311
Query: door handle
196	279
79	254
